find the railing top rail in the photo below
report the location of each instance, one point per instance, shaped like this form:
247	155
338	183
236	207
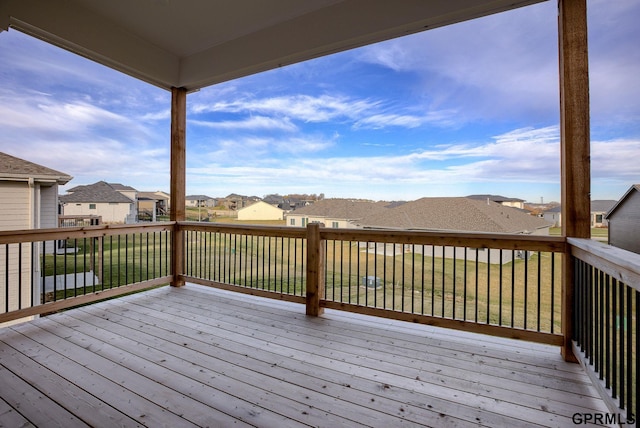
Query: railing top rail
34	235
456	239
245	229
620	264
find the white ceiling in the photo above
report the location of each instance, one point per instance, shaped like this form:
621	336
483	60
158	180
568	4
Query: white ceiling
196	43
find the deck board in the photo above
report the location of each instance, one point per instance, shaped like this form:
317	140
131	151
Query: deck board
196	356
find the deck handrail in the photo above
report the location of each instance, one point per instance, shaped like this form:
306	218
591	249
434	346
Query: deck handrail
606	319
46	270
237	248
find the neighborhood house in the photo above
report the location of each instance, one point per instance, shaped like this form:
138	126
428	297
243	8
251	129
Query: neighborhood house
28	200
113	202
427	214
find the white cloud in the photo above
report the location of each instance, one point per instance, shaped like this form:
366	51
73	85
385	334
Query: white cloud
306	108
251	123
523	156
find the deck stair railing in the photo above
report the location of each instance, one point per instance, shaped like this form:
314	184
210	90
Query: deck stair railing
606	321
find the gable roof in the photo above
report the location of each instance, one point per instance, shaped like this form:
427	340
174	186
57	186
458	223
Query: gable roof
494	198
346	209
154	196
602	205
633	188
100	192
13	168
198	198
455	214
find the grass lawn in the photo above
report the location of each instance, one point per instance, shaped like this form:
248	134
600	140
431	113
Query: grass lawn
597	233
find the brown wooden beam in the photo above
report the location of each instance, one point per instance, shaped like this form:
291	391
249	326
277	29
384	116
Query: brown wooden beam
575	144
315	270
178	179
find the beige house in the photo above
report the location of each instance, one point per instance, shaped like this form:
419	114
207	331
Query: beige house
194	201
113	202
28	200
153	204
335	213
260	211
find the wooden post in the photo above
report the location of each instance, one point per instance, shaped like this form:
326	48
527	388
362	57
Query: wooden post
178	180
315	270
575	144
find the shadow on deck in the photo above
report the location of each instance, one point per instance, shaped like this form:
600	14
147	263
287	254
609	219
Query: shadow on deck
196	356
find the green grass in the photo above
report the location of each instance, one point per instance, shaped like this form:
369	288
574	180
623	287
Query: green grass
599	233
116	262
412	282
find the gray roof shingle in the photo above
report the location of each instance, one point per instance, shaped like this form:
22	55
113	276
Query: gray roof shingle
455	214
100	192
341	208
13	167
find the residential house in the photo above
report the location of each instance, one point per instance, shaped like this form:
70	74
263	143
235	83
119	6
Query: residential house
275	200
502	200
624	221
456	215
599	208
28	200
553	215
235	202
260	211
113	202
336	213
200	201
152	204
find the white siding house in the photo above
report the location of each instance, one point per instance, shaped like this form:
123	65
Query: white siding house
114	203
28	200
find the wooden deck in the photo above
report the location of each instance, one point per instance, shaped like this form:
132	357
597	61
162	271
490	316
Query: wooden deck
196	356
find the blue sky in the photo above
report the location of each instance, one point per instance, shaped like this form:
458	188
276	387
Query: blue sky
469	108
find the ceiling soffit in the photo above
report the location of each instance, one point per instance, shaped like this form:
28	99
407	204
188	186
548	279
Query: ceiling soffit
197	43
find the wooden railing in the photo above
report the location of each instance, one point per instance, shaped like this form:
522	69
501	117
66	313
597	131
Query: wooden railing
47	270
503	285
496	284
260	260
606	321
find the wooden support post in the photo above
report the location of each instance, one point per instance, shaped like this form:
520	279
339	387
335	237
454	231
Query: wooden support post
315	270
178	180
575	144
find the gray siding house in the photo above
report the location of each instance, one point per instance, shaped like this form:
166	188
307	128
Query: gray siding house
624	221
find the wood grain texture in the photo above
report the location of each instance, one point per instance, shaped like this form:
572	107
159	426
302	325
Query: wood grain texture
198	356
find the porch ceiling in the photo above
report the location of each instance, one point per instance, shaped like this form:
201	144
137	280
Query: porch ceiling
196	43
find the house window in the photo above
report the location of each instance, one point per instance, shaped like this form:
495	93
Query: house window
335	224
598	218
292	222
92	206
304	222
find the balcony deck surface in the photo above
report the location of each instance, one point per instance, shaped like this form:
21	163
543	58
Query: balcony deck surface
197	356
